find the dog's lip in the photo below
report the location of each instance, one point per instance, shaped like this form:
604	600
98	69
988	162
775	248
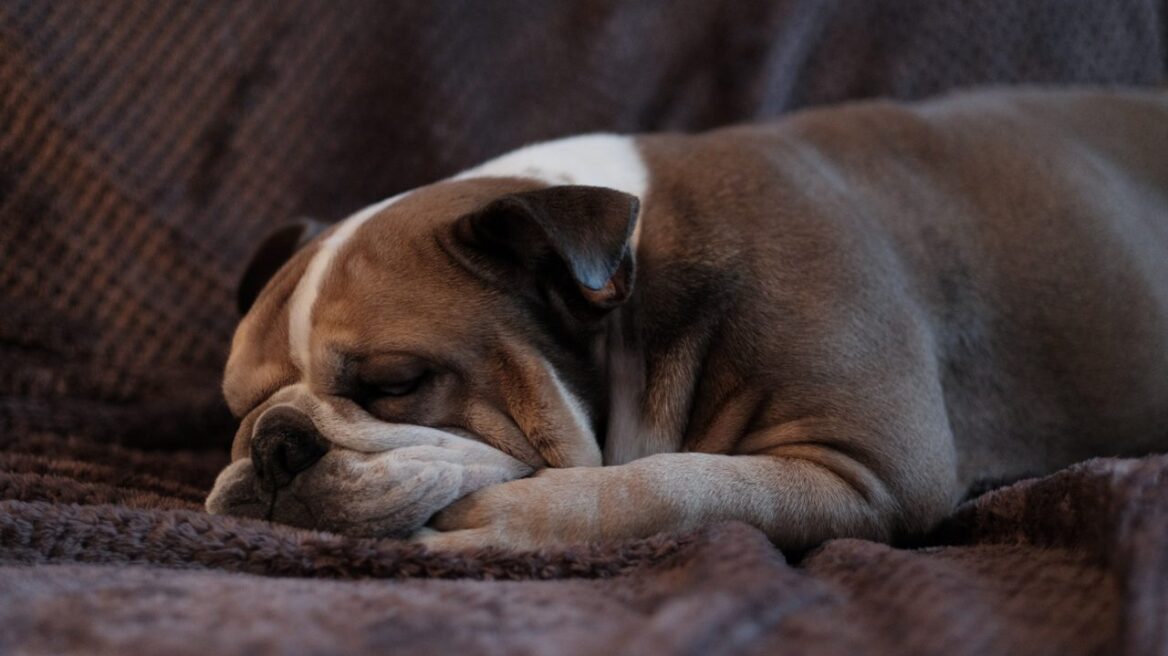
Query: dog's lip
376	436
234	493
462	432
341	493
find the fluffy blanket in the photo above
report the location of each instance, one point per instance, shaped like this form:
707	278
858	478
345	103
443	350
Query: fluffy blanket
98	557
146	146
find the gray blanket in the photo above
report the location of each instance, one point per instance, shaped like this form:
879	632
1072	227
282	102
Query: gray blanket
95	560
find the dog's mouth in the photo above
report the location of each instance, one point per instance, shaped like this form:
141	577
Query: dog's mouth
388	493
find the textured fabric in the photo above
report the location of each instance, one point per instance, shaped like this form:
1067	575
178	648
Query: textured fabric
1071	564
145	147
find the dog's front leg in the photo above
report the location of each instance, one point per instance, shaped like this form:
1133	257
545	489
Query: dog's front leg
797	501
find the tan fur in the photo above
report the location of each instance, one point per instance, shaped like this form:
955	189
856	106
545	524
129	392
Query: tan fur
840	324
494	388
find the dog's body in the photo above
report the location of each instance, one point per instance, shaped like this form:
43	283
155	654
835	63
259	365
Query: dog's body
840	323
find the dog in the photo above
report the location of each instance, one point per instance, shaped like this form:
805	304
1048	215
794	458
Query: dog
837	324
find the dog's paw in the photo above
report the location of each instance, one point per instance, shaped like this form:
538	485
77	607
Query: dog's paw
555	507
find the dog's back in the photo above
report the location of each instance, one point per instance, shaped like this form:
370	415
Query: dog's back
1027	231
1051	279
839	323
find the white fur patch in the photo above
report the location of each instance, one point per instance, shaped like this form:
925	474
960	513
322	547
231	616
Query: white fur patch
596	160
308	288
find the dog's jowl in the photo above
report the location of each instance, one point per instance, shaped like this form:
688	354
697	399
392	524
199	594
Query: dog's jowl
832	325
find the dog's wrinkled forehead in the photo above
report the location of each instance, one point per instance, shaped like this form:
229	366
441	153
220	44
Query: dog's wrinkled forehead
382	274
380	261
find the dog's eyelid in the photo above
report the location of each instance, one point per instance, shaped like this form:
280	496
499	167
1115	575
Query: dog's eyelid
401	388
390	374
391	385
385	361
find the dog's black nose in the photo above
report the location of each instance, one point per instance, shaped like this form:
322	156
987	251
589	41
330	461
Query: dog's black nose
285	442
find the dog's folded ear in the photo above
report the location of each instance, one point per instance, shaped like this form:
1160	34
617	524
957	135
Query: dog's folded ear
578	231
276	249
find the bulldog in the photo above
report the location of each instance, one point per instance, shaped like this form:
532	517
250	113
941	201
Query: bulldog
834	325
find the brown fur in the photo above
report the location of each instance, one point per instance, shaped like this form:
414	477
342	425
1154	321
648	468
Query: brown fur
843	321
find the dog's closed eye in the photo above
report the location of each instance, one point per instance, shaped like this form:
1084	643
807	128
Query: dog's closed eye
389	375
395	388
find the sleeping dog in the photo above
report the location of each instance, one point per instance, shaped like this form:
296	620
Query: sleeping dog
833	325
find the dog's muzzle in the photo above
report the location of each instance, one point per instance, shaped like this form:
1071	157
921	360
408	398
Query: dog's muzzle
371	478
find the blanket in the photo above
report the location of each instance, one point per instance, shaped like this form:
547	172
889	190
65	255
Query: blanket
99	558
145	147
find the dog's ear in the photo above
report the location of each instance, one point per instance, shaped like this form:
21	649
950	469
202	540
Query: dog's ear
583	232
272	253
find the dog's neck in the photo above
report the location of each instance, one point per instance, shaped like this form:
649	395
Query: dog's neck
647	354
612	161
623	360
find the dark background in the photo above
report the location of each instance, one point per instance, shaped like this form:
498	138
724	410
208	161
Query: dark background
145	147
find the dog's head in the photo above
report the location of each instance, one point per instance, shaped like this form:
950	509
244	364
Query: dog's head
423	348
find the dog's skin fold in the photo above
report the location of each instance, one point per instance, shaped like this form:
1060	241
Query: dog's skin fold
832	325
